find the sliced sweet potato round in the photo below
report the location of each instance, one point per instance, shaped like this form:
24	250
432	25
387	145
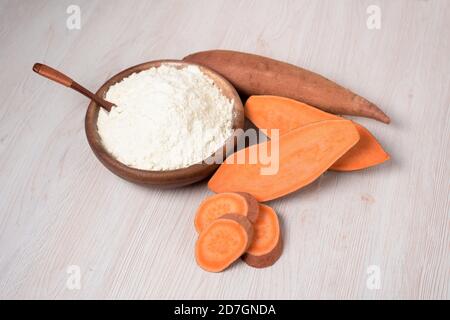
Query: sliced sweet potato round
219	204
223	241
267	244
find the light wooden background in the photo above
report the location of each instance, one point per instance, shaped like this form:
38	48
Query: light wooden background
59	206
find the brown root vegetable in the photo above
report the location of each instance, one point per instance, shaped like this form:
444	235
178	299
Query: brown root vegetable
303	155
272	112
220	204
223	242
256	75
267	244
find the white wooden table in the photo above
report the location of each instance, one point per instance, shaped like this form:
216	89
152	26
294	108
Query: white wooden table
59	207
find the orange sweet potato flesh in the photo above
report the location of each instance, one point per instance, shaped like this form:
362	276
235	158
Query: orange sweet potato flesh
267	244
222	242
256	75
220	204
272	112
304	154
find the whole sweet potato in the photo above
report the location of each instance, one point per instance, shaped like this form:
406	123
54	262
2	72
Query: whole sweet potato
256	75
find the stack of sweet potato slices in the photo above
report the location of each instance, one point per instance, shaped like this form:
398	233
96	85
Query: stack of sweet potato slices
232	226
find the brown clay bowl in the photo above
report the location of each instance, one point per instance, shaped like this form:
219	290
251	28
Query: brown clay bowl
170	178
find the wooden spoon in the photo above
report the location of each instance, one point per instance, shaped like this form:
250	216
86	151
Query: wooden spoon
61	78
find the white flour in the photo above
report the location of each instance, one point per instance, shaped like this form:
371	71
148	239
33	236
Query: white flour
165	118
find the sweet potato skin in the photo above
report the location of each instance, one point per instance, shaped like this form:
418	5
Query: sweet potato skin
254	257
266	260
253	206
257	75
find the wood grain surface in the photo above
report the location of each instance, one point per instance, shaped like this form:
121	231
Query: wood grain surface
60	207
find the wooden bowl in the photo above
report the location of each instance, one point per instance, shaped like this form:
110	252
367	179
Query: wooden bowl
169	178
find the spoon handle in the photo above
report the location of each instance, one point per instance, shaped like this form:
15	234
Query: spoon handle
61	78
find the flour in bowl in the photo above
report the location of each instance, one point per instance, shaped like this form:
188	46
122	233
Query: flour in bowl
166	118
